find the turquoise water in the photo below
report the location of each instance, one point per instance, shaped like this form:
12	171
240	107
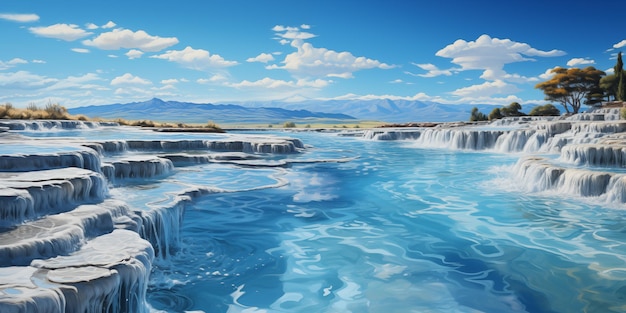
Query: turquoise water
391	228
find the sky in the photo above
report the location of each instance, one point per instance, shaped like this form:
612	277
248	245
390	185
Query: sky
79	53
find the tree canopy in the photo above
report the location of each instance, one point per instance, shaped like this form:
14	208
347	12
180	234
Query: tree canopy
571	87
476	115
545	110
618	70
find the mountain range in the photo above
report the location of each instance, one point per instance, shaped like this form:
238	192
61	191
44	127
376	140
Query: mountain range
396	111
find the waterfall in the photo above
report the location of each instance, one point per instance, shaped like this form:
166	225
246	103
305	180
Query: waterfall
66	245
47	125
538	174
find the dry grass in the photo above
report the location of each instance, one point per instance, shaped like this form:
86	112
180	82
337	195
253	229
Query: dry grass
57	112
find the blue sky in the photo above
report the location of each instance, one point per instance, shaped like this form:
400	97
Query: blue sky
79	53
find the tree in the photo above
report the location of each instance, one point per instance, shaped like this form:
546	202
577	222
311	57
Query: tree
512	109
608	84
545	110
476	115
570	86
495	114
618	69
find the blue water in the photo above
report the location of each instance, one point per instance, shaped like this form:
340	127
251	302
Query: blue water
391	228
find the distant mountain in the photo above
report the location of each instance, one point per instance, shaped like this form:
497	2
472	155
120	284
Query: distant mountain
174	111
395	111
398	111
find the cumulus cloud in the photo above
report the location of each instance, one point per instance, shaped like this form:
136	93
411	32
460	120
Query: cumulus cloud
11	63
309	61
22	18
580	61
76	82
620	44
263	58
169	81
108	25
433	71
491	54
24	79
321	62
286	34
129	79
486	90
134	54
197	59
80	50
67	32
277	83
547	74
127	39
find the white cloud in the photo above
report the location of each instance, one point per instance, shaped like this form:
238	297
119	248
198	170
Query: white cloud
285	34
134	54
196	59
133	92
491	54
127	39
620	44
305	26
276	83
76	82
417	97
547	74
11	63
263	58
39	61
425	97
486	90
169	81
24	79
397	81
219	77
579	61
108	25
321	62
91	26
22	18
433	71
128	79
80	50
67	32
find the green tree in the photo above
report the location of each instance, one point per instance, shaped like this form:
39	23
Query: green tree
608	84
570	87
621	81
495	114
545	110
476	115
512	109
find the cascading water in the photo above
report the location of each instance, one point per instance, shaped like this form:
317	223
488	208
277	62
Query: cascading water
460	219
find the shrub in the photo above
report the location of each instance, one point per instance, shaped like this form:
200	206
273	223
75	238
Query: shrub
56	111
495	114
622	113
545	110
32	107
289	125
477	115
